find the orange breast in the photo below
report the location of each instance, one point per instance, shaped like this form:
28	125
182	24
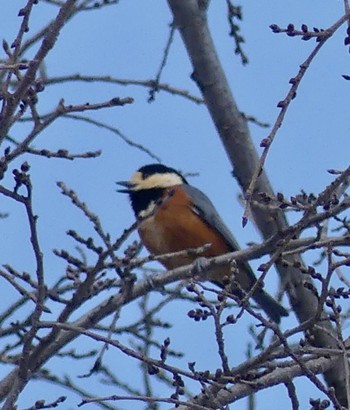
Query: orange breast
175	227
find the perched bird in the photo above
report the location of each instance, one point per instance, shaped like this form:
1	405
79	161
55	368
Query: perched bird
176	216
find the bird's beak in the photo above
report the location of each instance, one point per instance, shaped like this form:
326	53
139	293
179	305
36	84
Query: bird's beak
127	184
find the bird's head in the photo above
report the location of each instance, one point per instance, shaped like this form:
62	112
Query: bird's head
153	176
147	185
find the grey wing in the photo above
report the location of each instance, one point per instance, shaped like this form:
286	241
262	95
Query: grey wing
246	277
208	213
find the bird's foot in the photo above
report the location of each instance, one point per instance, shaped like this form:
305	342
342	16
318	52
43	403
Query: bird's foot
200	268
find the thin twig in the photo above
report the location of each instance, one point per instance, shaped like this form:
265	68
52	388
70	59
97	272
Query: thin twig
284	105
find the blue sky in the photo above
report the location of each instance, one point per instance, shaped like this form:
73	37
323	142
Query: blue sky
127	41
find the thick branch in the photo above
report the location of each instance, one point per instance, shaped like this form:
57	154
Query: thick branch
244	389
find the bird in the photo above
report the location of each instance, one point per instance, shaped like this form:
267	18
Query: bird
174	216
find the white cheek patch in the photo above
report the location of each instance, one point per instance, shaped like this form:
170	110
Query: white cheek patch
149	210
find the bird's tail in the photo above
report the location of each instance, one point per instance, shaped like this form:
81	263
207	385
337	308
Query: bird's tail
272	308
268	304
